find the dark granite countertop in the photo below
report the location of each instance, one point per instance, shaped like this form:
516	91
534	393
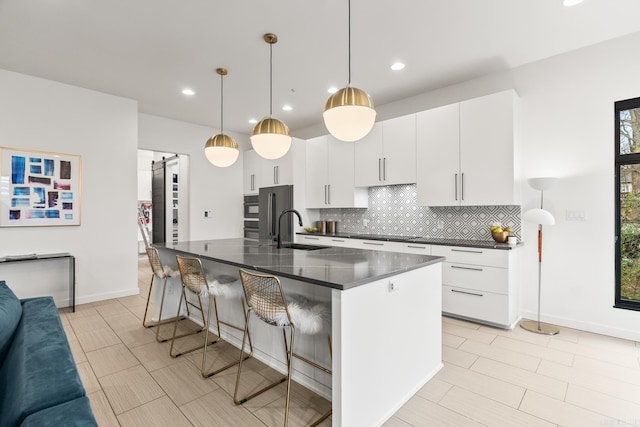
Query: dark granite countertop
338	268
425	240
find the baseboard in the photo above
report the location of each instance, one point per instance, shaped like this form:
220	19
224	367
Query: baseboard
85	299
627	334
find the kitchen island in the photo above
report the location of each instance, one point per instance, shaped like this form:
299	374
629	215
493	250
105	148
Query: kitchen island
385	319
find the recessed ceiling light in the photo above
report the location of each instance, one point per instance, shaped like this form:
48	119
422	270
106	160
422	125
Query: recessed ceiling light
571	2
188	92
397	66
332	90
253	121
287	107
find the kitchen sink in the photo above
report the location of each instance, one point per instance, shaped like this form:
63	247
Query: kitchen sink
303	247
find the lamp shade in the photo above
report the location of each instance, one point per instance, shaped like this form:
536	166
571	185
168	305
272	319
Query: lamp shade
543	184
271	138
539	216
221	150
349	114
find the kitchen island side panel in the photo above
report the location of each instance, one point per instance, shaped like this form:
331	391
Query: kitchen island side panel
386	344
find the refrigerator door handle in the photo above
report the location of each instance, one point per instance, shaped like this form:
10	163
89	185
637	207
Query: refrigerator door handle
273	215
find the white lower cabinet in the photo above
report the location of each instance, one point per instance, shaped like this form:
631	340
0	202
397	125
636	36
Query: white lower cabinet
479	284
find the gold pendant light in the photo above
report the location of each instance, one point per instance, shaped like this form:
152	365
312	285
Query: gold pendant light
271	137
349	114
221	150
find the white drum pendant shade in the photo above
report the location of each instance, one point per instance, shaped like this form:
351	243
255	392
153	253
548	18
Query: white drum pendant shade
349	114
221	150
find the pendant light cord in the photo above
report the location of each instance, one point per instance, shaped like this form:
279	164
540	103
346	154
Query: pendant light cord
349	33
221	104
270	79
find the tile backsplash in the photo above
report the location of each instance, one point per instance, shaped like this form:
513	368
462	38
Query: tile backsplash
393	210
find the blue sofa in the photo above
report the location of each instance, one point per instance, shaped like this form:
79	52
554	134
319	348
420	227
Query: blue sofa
39	382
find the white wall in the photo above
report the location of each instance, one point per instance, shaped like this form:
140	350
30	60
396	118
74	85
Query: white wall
44	115
566	129
210	188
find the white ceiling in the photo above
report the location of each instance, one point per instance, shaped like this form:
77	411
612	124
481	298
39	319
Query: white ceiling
149	50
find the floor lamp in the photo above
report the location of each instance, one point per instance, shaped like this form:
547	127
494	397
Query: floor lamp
541	217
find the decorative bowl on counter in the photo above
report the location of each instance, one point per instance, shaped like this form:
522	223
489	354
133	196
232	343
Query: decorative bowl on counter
500	236
311	229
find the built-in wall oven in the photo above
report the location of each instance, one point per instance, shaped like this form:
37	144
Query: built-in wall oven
251	217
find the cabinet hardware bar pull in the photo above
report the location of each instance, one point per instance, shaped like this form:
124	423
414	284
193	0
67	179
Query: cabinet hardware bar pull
384	169
325	194
456	186
275	181
278	173
379	169
466	268
417	247
311	238
468	293
337	240
462	186
374	244
252	182
329	194
466	250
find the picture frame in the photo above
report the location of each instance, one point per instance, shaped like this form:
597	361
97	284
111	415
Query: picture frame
39	188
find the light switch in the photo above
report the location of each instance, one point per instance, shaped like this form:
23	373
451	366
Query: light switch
576	215
208	214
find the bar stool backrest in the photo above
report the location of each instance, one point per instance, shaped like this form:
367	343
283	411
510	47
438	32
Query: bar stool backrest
154	260
264	295
192	274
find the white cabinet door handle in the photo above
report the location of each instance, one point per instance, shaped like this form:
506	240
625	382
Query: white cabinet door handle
466	268
329	194
455	186
417	247
373	244
379	169
467	251
337	240
384	169
462	186
311	238
466	293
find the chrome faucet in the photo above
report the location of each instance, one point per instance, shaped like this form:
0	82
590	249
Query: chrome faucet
280	223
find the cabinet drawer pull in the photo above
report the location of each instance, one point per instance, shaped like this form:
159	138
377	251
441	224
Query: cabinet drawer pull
462	186
467	250
455	186
384	169
466	268
311	238
379	169
337	240
417	247
374	244
467	293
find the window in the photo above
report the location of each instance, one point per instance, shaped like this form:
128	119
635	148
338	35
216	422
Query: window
627	140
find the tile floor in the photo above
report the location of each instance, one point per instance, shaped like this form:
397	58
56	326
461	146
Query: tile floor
491	377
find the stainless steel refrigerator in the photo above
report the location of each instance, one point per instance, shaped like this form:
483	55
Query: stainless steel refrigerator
272	201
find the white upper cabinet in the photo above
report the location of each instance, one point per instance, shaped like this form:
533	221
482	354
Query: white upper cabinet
487	150
279	171
368	158
330	175
251	172
465	153
386	156
438	156
260	172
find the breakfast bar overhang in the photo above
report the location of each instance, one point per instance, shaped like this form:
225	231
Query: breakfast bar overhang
385	317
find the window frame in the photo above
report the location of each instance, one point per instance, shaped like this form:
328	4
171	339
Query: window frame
621	160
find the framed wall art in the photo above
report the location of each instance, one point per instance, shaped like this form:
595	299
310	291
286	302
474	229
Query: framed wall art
38	188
